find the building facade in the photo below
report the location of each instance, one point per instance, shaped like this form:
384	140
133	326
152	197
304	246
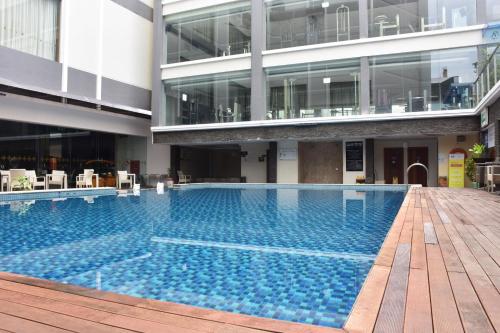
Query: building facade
75	87
331	91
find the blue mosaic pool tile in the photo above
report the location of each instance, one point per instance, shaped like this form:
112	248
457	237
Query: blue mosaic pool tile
291	254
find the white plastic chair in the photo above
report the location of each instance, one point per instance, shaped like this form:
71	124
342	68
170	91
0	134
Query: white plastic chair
183	179
14	177
85	179
36	181
123	177
57	178
492	177
4	180
433	26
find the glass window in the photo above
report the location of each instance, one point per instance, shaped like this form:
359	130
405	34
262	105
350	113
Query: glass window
493	10
211	32
208	99
297	23
391	17
30	26
313	90
425	81
47	148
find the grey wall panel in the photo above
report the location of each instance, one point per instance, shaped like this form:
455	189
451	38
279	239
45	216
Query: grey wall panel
36	111
29	70
81	83
137	7
125	94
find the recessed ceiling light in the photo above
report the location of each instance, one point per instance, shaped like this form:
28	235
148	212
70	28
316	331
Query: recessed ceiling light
327	80
325	4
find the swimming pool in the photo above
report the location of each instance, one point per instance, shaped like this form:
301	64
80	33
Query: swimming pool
292	253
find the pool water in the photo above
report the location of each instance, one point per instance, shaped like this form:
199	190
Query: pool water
297	254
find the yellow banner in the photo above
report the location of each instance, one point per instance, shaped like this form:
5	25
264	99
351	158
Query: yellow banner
456	174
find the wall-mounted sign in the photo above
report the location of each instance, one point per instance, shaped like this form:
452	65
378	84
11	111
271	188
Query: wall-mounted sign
456	175
354	156
484	118
289	154
492	33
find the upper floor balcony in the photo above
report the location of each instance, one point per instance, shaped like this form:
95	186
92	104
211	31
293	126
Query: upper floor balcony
226	29
439	83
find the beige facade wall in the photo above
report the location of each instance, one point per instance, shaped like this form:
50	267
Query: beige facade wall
446	144
254	170
288	169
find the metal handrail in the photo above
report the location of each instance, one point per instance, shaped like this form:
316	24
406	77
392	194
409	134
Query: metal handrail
421	165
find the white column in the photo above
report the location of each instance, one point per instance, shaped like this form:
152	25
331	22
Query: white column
100	38
64	47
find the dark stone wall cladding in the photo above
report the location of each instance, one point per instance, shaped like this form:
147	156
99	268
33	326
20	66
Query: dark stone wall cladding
337	131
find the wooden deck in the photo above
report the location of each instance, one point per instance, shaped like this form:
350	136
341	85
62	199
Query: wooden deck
439	267
438	270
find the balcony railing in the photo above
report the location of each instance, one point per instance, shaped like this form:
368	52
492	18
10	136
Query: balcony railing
489	75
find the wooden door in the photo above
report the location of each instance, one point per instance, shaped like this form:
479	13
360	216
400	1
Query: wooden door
272	163
418	174
320	162
394	165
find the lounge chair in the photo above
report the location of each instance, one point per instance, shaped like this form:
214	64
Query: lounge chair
4	180
123	177
183	178
15	174
40	181
85	179
58	178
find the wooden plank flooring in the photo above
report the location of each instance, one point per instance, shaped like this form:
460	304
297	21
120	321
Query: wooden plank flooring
437	271
451	281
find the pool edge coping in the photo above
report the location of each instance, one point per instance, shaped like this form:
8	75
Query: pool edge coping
55	193
364	312
172	308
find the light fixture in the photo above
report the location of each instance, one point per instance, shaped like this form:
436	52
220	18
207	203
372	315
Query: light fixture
325	4
327	80
184	97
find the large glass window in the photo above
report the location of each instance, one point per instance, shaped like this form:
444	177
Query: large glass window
30	26
209	99
313	90
211	32
425	81
493	11
295	23
47	148
391	17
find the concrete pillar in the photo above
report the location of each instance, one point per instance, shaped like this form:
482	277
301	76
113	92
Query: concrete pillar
258	99
363	18
157	119
364	86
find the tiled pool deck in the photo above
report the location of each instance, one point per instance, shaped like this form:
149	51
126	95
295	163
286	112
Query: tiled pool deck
438	270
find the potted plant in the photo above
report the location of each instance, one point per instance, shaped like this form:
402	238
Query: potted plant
477	156
470	171
23	184
478	152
